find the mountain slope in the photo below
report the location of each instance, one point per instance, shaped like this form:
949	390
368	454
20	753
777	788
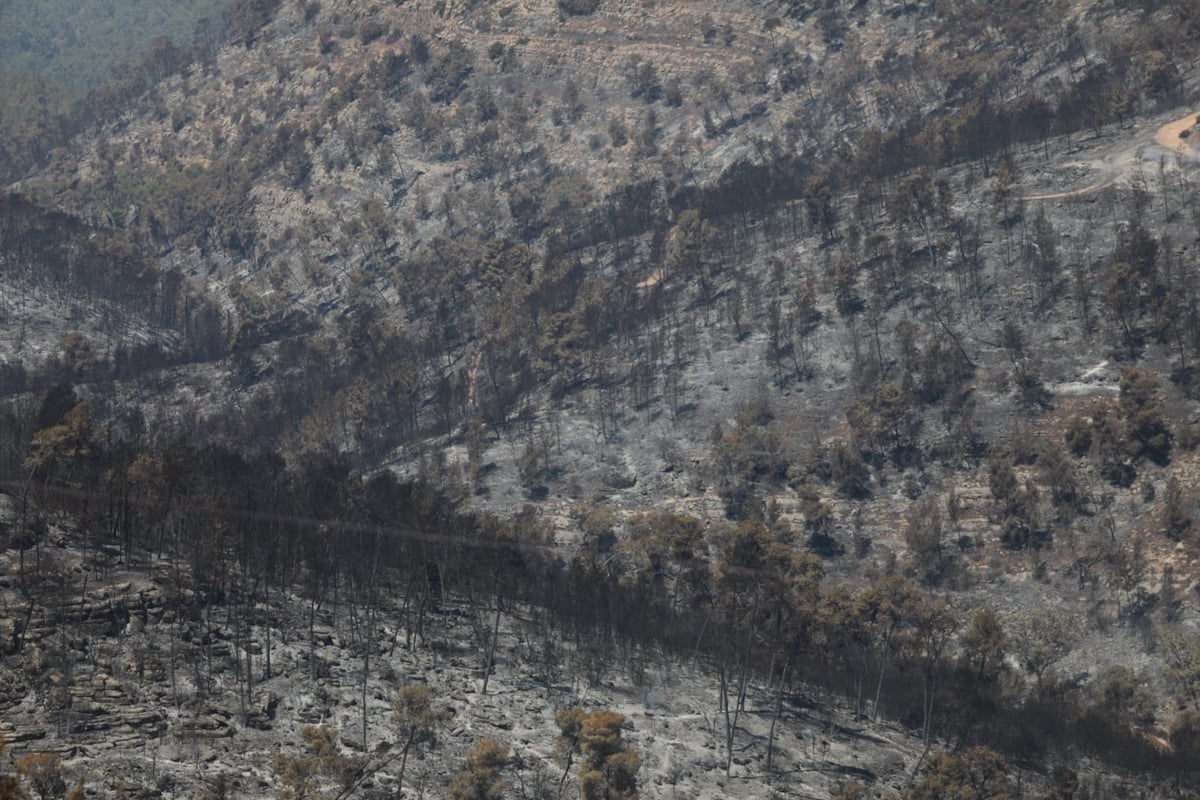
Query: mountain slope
907	288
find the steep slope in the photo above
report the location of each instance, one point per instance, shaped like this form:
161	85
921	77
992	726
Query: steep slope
908	287
139	691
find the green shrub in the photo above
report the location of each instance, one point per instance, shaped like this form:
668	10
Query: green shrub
579	7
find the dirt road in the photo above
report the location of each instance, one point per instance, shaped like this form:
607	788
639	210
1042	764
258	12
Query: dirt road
1095	187
1171	136
1176	136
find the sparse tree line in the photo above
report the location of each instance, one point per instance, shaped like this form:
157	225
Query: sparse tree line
608	769
571	332
546	317
27	142
545	322
241	530
49	258
536	323
578	331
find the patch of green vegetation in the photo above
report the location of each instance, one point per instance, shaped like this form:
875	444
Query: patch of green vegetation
25	95
579	7
53	51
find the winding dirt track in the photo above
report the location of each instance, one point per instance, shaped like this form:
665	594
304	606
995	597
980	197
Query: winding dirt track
1169	137
1095	187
